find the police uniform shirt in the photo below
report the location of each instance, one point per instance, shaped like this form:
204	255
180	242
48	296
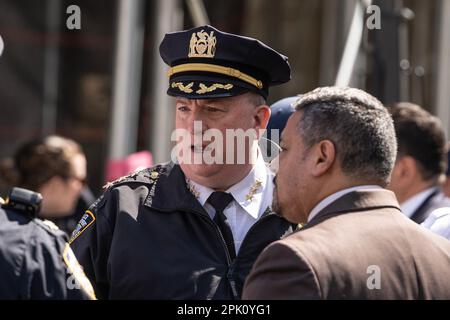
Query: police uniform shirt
36	261
252	196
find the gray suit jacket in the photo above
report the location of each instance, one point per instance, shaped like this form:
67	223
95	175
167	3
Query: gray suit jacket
359	247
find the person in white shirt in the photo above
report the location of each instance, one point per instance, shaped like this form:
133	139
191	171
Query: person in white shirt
419	169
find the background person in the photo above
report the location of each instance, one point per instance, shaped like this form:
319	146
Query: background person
55	167
421	161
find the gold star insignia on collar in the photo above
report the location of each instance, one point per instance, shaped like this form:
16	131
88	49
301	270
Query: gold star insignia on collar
192	189
253	189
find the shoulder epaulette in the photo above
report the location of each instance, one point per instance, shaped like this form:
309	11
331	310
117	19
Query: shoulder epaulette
49	226
147	175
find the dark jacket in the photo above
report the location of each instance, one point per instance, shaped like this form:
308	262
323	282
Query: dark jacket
435	200
359	247
36	261
148	237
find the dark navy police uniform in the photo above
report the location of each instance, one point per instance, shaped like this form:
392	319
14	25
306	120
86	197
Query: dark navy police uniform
148	236
36	261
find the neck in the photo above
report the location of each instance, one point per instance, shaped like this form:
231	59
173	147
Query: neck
416	188
327	188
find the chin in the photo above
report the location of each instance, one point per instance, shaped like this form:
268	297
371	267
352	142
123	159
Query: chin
201	170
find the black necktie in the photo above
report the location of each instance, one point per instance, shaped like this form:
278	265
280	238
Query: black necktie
219	201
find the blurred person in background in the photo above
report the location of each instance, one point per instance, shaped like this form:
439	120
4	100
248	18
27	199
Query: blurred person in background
418	174
36	261
55	167
446	186
421	161
280	113
439	220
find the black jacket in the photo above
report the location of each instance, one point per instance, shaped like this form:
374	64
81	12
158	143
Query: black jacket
148	237
36	261
435	200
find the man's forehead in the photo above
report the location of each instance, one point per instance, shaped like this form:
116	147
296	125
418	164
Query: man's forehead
290	126
225	100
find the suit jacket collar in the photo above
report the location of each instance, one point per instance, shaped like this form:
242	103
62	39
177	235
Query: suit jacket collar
435	200
359	200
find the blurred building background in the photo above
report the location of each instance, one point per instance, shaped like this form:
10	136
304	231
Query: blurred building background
104	84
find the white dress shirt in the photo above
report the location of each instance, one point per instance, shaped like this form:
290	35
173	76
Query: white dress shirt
252	196
410	205
439	222
333	197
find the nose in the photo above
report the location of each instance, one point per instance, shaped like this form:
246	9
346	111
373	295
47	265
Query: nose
197	123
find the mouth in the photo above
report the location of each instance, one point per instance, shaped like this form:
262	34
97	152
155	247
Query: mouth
200	148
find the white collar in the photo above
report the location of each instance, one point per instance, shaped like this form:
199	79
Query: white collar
410	205
248	192
333	197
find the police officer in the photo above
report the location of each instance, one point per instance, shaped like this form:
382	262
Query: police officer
36	261
191	230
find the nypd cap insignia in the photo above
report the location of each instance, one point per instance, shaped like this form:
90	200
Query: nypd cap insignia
208	63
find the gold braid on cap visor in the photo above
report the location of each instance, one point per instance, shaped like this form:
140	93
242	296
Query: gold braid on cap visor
215	69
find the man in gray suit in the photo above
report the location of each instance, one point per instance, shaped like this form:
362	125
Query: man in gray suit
339	148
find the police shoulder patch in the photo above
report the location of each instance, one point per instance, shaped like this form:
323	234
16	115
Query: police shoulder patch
85	222
76	271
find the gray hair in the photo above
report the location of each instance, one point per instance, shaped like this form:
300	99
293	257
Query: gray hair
359	126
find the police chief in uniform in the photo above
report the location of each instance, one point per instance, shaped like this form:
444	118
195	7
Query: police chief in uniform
192	231
36	261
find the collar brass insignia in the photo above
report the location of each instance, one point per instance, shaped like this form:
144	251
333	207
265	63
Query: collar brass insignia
253	189
202	45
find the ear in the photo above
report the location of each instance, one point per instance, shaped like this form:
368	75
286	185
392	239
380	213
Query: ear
261	117
408	169
324	157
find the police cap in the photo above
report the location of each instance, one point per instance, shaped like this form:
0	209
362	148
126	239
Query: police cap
280	113
208	63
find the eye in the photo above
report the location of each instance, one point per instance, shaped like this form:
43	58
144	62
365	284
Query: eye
183	109
212	109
